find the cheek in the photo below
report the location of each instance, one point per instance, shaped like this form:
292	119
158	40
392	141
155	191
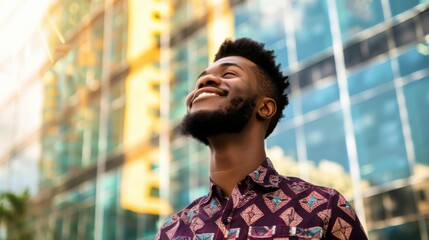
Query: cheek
247	92
189	98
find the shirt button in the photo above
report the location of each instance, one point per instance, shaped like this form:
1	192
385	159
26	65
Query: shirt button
225	221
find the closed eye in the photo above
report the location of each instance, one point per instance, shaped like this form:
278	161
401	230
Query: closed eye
229	74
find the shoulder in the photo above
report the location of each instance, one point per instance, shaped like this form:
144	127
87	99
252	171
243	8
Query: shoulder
300	186
337	213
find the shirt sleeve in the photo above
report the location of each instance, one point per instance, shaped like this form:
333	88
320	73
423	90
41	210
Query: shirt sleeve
344	224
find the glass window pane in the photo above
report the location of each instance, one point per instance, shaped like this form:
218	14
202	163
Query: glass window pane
116	116
179	83
74	224
374	209
404	33
397	232
109	218
270	22
180	187
417	99
317	98
399	6
325	140
366	49
401	202
379	139
130	224
355	16
327	153
119	33
265	23
109	205
369	77
424	19
412	61
287	112
89	226
148	227
281	149
313	33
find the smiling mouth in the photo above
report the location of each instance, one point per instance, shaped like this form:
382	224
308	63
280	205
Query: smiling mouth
208	92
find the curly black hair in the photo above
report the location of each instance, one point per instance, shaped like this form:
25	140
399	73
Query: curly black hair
274	82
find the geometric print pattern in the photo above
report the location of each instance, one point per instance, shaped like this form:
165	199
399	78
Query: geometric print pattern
246	198
290	217
170	233
221	227
204	236
298	187
344	205
212	208
196	224
342	229
259	174
275	200
269	206
251	214
312	201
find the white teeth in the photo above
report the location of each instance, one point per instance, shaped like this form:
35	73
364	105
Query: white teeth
207	94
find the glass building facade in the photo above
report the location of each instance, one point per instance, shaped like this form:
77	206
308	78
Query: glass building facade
91	126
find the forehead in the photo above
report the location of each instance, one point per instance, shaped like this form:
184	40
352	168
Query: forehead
238	61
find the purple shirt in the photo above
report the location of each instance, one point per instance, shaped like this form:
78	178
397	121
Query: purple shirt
265	205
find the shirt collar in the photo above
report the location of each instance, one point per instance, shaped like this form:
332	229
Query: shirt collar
265	176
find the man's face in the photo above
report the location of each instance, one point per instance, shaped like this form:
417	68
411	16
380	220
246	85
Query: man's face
223	99
221	82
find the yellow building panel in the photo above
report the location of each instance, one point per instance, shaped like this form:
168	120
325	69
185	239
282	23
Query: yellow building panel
140	180
220	25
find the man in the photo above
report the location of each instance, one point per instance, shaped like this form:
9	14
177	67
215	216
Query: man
236	104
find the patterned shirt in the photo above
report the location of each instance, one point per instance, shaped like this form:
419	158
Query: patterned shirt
265	205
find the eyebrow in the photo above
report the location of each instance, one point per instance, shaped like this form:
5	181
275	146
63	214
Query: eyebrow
227	64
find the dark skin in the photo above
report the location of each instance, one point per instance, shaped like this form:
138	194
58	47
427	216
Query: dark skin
233	156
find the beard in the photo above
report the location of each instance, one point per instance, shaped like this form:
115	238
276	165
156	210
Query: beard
232	119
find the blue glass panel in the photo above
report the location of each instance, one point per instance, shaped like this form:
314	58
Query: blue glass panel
318	98
313	33
288	111
241	15
399	6
265	23
281	54
412	61
397	232
370	77
355	16
417	101
180	187
379	139
286	141
271	22
246	20
325	140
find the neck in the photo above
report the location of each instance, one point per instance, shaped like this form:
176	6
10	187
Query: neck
233	157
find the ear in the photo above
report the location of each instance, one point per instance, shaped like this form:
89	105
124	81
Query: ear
267	108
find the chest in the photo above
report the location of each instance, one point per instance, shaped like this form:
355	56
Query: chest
274	215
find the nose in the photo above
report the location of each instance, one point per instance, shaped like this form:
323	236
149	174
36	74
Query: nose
208	80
